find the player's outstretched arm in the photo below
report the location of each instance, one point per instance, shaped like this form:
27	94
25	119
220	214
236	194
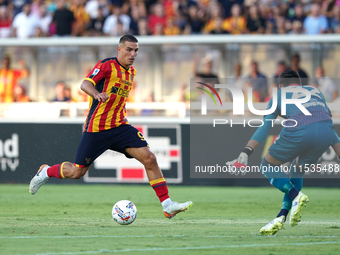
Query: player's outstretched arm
89	89
259	136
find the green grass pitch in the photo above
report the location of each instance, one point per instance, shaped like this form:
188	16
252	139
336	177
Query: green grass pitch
76	219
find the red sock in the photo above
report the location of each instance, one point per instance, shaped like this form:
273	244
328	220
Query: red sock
56	171
160	188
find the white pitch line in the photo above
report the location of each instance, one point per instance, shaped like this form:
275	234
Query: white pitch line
154	236
180	248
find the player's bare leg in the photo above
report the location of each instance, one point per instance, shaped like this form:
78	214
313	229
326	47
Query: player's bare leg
157	181
62	171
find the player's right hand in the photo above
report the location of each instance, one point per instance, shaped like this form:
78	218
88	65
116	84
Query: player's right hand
238	164
102	97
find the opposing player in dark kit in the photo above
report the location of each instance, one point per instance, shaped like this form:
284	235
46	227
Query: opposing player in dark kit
302	142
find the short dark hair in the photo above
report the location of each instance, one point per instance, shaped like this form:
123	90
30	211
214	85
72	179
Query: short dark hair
296	55
127	38
289	77
281	62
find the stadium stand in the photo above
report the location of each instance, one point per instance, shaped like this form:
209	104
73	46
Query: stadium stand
167	17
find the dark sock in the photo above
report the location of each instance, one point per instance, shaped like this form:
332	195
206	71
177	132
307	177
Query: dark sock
293	192
283	212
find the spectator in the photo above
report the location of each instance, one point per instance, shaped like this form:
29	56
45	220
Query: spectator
45	20
111	22
118	30
269	27
18	6
295	65
236	24
207	70
60	93
97	24
63	20
335	20
104	5
315	23
5	22
327	8
82	18
280	67
20	95
156	18
143	28
325	85
195	21
181	11
35	8
258	81
171	28
25	22
218	27
134	4
255	23
68	94
38	32
237	78
9	78
4	3
169	10
299	14
135	16
296	28
159	29
117	3
51	7
227	6
212	23
92	9
281	25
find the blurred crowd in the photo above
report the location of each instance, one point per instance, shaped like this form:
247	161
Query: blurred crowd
12	90
41	18
262	85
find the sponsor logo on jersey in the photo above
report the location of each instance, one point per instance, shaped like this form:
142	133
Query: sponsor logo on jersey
120	92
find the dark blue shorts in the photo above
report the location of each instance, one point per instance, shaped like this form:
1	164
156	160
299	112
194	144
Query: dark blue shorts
92	145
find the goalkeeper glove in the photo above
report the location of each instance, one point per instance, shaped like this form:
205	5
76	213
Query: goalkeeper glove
241	162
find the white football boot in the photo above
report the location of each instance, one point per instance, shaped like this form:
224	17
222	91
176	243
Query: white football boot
297	205
39	179
272	227
172	209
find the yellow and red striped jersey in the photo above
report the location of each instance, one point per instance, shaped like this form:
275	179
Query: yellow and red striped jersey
111	77
8	81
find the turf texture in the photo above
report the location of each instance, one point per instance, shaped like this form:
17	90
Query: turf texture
76	219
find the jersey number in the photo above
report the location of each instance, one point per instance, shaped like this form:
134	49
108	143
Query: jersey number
140	136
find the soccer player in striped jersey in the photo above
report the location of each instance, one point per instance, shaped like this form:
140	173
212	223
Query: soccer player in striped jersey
106	127
303	144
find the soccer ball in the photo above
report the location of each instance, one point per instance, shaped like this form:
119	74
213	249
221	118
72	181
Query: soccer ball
124	212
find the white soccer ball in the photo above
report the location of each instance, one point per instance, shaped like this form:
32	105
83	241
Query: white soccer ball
124	212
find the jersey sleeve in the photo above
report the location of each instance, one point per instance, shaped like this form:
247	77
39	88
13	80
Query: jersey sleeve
262	132
99	72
